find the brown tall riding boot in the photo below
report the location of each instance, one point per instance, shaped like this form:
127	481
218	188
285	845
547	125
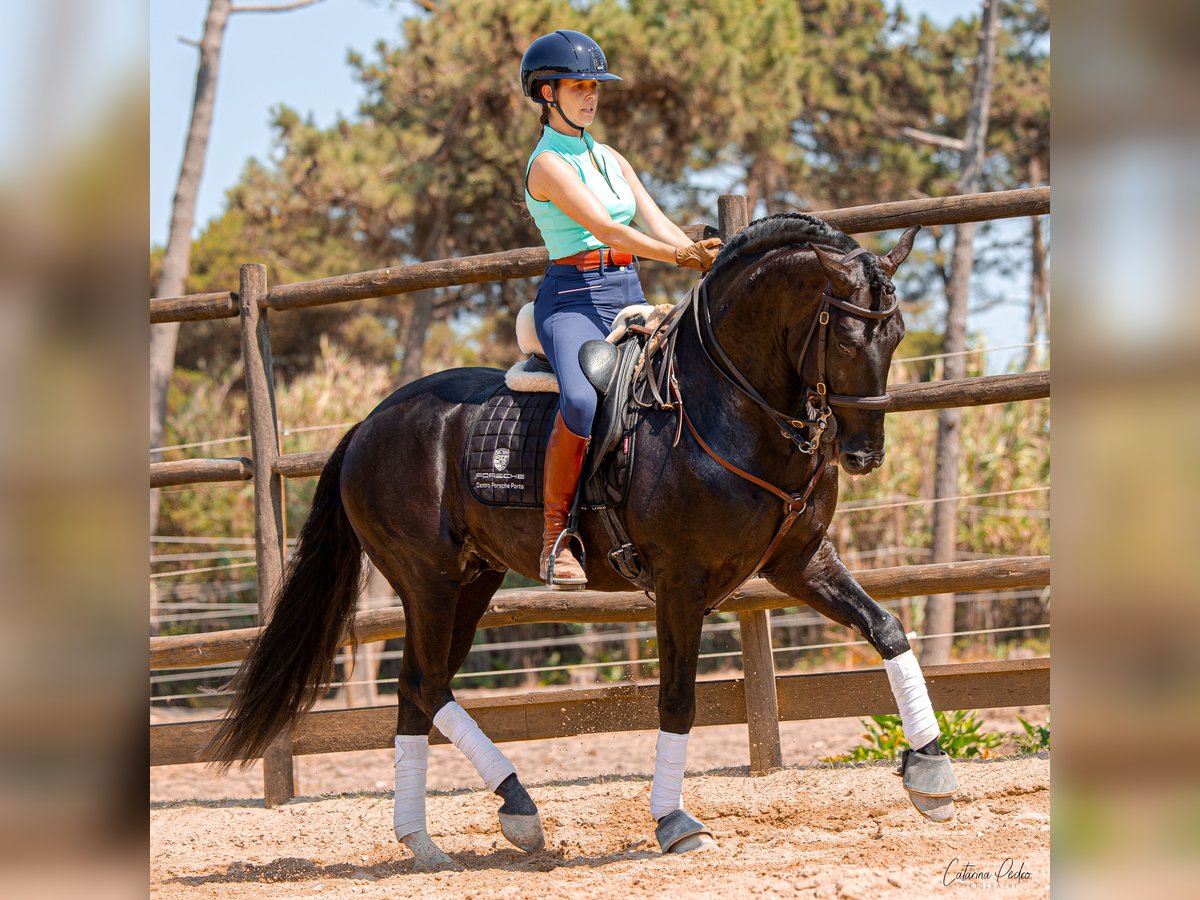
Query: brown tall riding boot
564	462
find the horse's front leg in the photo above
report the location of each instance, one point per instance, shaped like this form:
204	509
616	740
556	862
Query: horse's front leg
679	618
824	583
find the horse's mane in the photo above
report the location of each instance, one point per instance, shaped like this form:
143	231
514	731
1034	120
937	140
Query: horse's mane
787	229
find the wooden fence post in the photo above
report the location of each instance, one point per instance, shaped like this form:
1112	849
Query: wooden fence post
279	784
758	663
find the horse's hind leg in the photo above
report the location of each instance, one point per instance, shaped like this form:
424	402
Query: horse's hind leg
438	638
519	819
412	742
824	584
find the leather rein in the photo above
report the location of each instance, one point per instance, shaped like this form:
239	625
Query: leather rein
664	388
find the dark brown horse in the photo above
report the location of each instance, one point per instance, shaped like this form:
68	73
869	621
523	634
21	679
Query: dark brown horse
794	317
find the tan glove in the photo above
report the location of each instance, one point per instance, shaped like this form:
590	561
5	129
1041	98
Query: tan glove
700	255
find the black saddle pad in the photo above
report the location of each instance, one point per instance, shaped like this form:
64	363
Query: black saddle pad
506	453
506	450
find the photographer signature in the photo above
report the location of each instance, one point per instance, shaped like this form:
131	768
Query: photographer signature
969	873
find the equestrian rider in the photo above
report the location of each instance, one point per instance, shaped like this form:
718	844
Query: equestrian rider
582	196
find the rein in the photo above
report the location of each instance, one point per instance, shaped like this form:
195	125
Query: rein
664	388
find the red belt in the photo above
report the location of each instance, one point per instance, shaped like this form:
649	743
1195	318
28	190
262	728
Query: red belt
595	259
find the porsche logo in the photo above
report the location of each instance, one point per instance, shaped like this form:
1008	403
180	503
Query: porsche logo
500	459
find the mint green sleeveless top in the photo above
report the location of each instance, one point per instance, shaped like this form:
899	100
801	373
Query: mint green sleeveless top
562	234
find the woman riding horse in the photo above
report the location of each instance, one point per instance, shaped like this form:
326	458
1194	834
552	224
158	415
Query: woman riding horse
582	196
777	366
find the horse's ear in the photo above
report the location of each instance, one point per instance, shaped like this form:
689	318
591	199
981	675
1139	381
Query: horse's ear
899	253
838	271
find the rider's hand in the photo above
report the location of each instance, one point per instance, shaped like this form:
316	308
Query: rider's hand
699	255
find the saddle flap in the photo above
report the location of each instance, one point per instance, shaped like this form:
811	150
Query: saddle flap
598	359
609	424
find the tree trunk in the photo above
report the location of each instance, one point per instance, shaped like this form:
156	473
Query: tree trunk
939	616
433	246
1037	278
177	258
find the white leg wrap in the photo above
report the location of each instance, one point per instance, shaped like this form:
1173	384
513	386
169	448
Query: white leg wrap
412	762
457	725
670	759
908	687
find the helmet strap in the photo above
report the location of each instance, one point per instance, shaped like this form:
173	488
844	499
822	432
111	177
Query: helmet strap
554	104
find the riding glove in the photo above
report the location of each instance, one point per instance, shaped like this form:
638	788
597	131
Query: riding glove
699	255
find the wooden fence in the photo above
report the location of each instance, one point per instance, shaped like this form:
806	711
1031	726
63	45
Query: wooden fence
759	698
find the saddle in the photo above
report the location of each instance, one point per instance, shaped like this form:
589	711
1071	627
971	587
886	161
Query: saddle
609	366
507	444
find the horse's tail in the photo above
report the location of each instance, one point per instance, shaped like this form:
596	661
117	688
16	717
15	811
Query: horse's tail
290	664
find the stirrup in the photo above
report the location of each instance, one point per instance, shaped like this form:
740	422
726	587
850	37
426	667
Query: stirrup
566	584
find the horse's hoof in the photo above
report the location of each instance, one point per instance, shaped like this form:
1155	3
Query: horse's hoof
523	831
428	856
935	809
681	832
695	842
930	783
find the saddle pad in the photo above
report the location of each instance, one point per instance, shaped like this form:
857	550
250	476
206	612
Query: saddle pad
506	449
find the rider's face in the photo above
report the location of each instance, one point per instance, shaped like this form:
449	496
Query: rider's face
579	99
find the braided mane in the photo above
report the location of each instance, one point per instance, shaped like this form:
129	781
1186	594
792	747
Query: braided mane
787	229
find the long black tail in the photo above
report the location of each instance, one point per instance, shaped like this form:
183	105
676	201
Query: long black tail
291	663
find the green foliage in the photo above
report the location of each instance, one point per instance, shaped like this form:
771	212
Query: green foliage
1036	737
884	739
962	738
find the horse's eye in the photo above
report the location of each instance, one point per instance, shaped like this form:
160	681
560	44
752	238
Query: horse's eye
848	349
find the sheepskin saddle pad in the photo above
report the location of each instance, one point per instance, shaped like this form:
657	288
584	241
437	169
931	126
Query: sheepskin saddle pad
534	373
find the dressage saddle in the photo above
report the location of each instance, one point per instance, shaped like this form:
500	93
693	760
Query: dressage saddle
609	366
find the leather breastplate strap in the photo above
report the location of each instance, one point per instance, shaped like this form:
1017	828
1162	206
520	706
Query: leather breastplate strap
794	505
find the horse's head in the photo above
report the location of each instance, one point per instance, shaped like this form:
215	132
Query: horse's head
850	366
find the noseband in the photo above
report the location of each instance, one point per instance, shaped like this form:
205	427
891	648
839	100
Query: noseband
817	396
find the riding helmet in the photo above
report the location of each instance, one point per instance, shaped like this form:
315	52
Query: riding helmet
562	54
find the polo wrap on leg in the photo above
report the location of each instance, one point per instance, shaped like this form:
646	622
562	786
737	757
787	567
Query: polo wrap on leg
908	687
412	764
670	760
457	725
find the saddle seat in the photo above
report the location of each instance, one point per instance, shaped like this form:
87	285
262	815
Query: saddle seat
534	373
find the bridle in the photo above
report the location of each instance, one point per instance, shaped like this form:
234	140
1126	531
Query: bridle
816	396
664	387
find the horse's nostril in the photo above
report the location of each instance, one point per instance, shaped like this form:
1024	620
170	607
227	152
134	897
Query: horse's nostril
858	460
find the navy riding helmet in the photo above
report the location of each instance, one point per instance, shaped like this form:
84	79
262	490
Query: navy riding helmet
562	54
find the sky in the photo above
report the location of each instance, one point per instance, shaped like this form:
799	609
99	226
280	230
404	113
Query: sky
299	59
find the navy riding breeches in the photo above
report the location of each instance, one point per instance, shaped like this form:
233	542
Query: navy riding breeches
573	307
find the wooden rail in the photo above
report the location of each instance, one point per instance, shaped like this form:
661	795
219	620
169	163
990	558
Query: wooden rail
194	307
979	391
940	210
196	471
529	261
526	607
634	707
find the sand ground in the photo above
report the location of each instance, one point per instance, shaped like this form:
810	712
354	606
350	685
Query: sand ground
807	830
